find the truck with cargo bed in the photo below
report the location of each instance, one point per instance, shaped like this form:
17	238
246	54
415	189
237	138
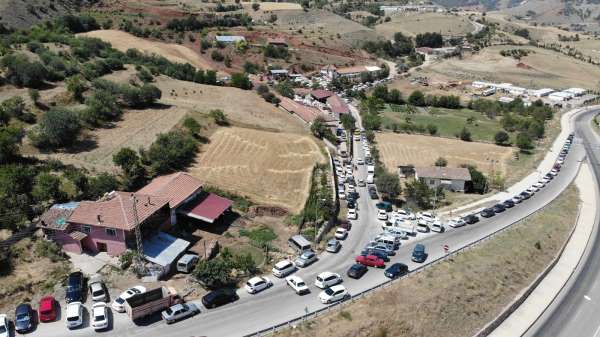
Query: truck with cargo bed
145	304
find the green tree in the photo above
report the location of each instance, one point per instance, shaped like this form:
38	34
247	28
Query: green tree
126	158
395	96
416	98
419	193
241	80
285	89
371	122
465	134
58	127
320	129
20	72
219	117
46	187
34	94
14	107
101	184
101	106
524	142
76	85
10	139
388	184
214	273
501	138
441	162
348	122
381	92
192	125
171	151
478	182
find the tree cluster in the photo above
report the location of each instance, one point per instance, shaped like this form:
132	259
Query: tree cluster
431	40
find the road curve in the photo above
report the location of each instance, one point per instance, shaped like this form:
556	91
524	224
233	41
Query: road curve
575	310
279	304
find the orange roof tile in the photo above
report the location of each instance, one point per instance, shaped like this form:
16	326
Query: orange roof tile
176	187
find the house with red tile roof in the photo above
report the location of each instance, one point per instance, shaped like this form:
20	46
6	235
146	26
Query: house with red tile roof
109	224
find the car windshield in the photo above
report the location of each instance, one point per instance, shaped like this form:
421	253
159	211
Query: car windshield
300	284
99	318
328	291
22	317
98	293
169	311
73	318
120	300
46	311
2	329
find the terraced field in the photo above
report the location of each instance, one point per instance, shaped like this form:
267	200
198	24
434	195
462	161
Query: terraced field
268	167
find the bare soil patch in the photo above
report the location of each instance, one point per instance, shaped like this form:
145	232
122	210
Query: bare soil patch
471	288
413	24
241	106
173	52
274	6
403	149
268	167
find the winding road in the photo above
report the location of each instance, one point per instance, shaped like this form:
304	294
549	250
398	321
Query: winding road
279	304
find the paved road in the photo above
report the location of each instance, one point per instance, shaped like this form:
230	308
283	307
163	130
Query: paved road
575	311
279	304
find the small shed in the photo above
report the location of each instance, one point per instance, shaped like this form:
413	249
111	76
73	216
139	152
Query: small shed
229	38
452	179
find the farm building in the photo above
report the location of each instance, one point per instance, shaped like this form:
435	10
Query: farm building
576	91
541	92
229	38
109	224
480	84
452	179
560	96
279	73
337	105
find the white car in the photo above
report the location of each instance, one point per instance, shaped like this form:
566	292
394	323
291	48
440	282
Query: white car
422	226
283	268
74	316
297	284
334	294
257	284
361	183
360	162
352	215
456	222
98	291
119	303
341	233
4	327
539	185
426	216
382	215
436	226
99	316
351	189
554	172
517	199
327	279
342	195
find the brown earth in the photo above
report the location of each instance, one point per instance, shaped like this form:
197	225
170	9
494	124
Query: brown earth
268	167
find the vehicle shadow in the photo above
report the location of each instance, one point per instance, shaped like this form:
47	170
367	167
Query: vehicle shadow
111	322
148	320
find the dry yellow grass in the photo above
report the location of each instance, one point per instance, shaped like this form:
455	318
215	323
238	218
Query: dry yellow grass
413	24
548	69
268	167
242	106
173	52
402	149
274	6
457	297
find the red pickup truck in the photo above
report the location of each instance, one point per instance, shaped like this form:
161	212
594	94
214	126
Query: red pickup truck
370	261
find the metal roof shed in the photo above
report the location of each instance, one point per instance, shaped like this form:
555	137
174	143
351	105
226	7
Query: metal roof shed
163	249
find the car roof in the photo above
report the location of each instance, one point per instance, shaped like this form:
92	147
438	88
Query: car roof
282	263
325	274
420	246
256	279
98	310
23	307
176	306
73	308
294	278
46	302
332	241
337	287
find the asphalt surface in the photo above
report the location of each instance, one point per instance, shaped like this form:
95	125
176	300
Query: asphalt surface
279	303
576	309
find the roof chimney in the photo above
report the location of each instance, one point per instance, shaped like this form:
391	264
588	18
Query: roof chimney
99	218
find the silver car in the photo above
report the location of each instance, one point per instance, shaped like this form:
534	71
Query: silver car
179	311
333	246
306	258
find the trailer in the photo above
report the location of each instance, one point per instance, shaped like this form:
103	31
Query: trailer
145	304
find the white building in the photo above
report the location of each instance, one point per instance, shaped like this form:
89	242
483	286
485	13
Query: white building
539	93
480	84
505	99
560	96
452	179
576	91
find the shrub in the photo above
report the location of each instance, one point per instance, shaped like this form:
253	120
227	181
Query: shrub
49	249
172	151
219	117
501	138
20	72
58	127
465	134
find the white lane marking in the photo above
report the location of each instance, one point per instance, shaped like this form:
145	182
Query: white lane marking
587	297
596	332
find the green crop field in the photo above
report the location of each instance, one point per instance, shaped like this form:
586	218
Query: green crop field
449	122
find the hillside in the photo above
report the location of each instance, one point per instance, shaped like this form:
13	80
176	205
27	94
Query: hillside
24	13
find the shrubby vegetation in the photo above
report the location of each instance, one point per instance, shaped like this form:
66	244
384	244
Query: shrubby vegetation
195	23
432	40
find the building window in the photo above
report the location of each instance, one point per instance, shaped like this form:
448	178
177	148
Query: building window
431	182
111	232
86	229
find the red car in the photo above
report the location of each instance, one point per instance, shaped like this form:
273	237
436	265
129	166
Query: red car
370	261
47	309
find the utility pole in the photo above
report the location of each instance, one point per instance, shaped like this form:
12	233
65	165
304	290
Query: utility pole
138	261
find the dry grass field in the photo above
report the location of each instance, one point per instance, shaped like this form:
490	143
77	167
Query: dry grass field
548	69
243	107
413	24
173	52
403	149
274	6
470	288
268	167
137	128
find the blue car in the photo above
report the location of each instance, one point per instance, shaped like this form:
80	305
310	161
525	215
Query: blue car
23	318
419	255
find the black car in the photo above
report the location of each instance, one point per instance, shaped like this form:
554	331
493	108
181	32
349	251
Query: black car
75	287
471	219
373	193
384	205
352	204
499	208
508	203
419	255
525	195
23	318
219	297
353	196
549	176
357	271
396	270
487	213
376	252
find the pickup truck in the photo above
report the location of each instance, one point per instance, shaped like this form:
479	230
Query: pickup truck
150	302
403	225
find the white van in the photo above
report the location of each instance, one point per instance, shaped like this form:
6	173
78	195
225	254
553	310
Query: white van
437	226
389	240
187	263
370	179
371	169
